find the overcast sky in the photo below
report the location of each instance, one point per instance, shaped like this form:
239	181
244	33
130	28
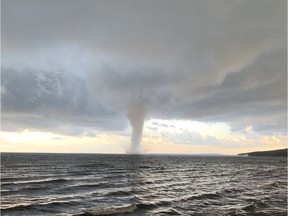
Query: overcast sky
73	68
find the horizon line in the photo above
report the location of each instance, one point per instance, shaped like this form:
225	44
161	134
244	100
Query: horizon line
200	154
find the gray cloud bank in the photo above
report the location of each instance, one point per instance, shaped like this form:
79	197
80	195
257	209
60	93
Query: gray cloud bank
74	67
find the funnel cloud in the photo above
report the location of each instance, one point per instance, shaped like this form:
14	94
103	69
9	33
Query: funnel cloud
136	116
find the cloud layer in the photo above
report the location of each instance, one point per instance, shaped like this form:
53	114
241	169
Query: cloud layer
74	67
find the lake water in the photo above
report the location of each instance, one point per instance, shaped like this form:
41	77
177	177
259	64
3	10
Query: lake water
98	184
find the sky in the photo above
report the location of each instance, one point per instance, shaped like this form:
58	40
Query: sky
84	76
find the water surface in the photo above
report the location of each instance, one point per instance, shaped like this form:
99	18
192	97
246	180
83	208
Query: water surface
95	184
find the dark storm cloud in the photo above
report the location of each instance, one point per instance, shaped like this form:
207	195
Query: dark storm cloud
83	64
46	99
255	95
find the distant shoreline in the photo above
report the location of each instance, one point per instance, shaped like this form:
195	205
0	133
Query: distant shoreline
273	153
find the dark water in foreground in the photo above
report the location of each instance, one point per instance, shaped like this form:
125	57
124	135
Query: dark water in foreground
79	184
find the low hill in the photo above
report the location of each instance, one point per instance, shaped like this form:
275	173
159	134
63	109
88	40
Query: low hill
274	153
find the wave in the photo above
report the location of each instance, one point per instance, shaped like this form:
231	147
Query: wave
146	167
95	165
42	181
23	190
110	211
120	193
18	208
87	185
147	205
258	204
275	184
127	209
232	190
4	179
170	211
168	184
214	195
48	206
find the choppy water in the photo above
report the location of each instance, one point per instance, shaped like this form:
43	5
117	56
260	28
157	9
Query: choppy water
79	184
